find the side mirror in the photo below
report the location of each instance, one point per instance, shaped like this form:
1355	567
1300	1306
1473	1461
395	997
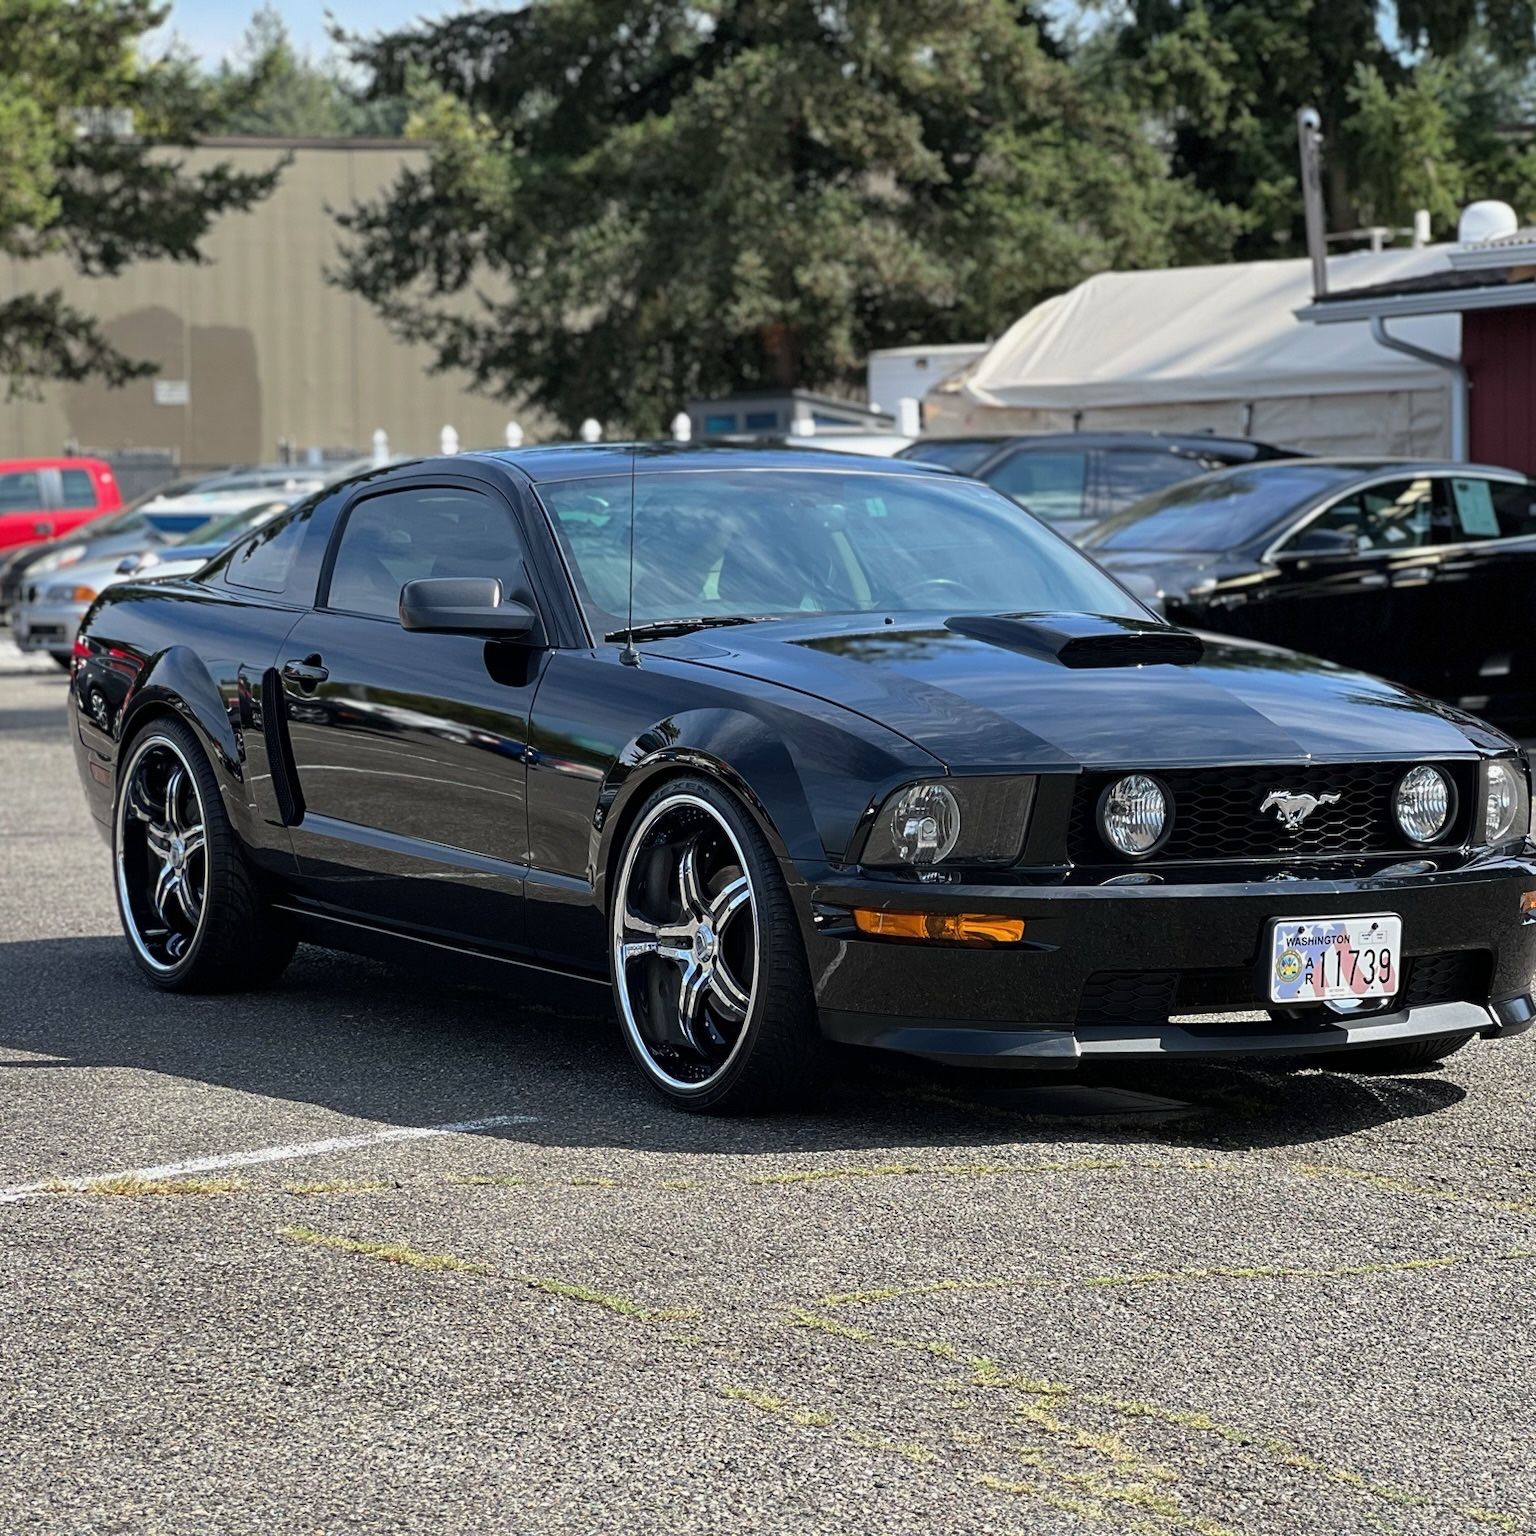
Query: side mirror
463	605
1324	541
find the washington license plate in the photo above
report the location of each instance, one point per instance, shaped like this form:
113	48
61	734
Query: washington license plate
1327	959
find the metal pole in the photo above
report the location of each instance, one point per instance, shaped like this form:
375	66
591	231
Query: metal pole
1309	140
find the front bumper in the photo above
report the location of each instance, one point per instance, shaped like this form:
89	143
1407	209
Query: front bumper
48	626
1128	971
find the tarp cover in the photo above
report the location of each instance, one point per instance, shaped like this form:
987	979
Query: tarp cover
1208	333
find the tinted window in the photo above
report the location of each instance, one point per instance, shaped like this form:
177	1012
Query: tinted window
79	491
1219	511
1049	483
1397	514
1513	508
264	560
21	491
962	454
1126	475
407	535
777	542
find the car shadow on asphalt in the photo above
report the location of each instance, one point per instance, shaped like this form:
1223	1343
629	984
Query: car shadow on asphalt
369	1041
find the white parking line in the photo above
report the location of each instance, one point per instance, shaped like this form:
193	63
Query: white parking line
11	1193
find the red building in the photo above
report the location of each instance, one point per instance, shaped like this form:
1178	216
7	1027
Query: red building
1492	286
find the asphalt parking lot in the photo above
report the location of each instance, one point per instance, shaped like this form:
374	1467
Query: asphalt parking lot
370	1253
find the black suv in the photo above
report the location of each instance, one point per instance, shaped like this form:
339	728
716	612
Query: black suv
1072	479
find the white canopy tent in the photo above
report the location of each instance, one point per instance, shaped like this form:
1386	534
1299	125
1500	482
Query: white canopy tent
1215	349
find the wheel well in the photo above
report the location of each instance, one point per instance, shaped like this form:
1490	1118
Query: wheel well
142	720
662	777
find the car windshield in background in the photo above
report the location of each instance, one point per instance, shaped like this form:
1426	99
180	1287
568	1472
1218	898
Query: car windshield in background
1219	511
962	454
770	543
219	530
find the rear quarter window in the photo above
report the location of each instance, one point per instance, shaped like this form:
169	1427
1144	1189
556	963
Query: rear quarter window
79	488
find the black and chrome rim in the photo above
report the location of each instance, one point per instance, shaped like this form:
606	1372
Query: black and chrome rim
685	942
161	850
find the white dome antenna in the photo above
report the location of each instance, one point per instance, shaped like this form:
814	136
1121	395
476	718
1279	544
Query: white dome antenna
1487	220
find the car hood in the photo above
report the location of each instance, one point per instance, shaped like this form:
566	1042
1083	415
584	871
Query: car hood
984	699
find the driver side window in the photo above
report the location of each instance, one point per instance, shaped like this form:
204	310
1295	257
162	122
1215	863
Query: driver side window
406	535
1396	515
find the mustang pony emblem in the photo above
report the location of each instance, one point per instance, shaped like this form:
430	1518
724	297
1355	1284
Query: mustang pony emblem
1294	809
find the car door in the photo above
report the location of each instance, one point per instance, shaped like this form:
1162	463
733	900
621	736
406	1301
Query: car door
1350	582
409	749
25	517
1483	557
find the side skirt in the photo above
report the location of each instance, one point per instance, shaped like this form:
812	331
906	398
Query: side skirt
534	982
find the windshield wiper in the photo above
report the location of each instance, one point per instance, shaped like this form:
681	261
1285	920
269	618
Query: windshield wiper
659	629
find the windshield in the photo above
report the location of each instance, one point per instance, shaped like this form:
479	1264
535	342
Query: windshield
769	543
1221	511
962	454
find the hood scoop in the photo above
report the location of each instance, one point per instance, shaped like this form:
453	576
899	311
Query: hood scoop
1084	640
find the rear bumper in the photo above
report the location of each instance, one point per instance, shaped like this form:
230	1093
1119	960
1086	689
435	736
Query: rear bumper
47	626
1126	971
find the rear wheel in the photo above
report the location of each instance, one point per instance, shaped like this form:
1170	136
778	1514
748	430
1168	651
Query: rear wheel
189	904
709	971
1409	1056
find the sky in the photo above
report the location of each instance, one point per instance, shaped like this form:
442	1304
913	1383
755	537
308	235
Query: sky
213	28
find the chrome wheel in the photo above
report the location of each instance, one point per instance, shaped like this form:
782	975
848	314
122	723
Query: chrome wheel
161	849
685	942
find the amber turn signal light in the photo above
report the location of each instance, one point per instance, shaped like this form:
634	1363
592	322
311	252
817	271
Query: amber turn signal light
942	927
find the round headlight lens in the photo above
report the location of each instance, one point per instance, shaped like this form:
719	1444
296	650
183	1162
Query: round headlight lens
1501	802
1133	815
924	824
1424	803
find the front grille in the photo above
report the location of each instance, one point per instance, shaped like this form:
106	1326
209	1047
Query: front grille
1217	813
1151	998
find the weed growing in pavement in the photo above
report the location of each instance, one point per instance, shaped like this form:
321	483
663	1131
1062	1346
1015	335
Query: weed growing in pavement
487	1180
621	1305
133	1185
389	1253
945	1170
339	1187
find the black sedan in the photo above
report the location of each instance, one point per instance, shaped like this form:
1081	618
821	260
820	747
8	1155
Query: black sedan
1421	572
1074	479
787	748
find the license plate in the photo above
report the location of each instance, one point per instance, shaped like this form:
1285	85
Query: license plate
1328	959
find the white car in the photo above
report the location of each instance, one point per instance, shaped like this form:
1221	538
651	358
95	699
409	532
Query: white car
58	593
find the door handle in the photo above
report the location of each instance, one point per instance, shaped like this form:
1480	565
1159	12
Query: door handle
307	673
1373	579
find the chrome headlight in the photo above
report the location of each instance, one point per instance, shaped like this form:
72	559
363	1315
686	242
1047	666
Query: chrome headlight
1506	800
1424	803
958	821
1134	815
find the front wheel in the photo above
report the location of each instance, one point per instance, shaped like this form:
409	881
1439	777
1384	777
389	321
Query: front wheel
709	970
189	904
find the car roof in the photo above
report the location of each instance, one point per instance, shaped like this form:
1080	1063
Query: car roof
1349	467
66	461
1175	442
570	461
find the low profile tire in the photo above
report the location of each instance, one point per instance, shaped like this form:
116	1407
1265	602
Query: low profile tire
1410	1056
189	904
709	970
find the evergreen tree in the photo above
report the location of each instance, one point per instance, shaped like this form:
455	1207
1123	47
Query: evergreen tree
631	202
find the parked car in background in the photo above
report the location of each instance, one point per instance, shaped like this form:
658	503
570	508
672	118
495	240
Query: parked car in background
56	599
151	521
41	498
1418	571
1073	479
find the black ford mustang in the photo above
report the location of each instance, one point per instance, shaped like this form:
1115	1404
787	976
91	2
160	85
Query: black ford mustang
789	747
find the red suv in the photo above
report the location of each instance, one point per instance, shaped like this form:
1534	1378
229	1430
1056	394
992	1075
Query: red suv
41	498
